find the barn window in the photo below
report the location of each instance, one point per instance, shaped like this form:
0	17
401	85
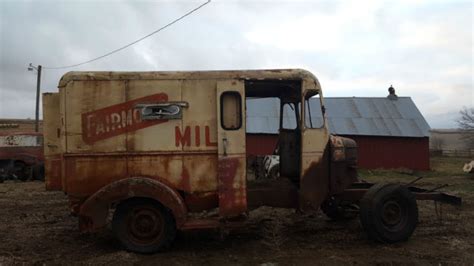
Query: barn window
231	110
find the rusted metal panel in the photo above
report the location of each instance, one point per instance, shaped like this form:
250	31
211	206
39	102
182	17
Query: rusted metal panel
160	135
93	212
200	118
90	107
270	74
52	167
343	163
87	173
232	186
198	202
314	179
52	145
231	170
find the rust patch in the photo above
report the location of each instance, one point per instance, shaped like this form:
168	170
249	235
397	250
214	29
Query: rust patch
343	164
202	201
53	173
232	197
93	212
314	184
117	119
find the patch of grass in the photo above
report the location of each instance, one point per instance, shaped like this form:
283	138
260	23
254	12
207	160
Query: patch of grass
449	166
444	170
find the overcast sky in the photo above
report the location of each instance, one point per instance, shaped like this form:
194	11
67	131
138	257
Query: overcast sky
355	48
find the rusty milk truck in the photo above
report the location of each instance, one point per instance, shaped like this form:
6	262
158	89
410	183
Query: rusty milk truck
158	148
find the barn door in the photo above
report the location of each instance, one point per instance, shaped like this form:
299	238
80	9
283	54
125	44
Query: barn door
230	98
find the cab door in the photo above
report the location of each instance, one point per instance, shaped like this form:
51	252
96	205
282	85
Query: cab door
231	170
314	174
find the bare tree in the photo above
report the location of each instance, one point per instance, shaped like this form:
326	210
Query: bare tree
466	125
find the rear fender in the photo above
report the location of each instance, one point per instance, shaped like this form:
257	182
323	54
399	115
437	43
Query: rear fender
94	211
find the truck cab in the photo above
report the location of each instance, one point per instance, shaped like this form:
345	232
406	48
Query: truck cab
160	147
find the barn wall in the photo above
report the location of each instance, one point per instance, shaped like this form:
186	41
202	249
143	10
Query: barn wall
260	144
373	152
393	152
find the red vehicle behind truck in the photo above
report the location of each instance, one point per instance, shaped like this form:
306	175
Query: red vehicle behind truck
21	156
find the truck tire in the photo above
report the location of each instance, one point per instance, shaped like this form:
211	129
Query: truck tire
143	225
389	213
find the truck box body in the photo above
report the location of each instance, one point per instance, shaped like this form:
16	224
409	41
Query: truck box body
159	147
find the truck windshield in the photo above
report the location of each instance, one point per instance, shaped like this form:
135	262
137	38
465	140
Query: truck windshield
314	114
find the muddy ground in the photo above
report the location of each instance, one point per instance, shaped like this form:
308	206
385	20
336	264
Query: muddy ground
36	228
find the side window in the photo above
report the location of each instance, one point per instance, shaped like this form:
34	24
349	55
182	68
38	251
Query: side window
289	116
313	111
231	110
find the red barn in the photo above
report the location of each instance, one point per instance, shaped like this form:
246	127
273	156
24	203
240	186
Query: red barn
390	131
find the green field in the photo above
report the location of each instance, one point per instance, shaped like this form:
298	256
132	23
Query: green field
444	170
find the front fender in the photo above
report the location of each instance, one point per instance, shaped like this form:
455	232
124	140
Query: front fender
93	212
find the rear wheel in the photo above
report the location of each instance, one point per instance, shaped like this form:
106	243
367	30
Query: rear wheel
143	225
389	213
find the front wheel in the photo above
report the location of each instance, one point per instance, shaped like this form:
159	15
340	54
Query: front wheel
389	213
143	225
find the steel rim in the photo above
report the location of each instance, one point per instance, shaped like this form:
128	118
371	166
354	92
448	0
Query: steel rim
392	213
145	225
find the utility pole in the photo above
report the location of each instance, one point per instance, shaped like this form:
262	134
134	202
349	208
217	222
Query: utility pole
38	90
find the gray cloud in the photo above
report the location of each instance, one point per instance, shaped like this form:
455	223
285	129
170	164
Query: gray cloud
355	48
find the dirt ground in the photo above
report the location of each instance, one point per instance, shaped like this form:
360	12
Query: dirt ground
36	228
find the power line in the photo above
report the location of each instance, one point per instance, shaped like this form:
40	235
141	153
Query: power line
134	42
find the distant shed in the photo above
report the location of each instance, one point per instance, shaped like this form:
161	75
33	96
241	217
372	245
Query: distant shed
390	132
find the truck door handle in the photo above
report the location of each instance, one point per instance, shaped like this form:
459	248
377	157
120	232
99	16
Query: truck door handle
224	145
52	146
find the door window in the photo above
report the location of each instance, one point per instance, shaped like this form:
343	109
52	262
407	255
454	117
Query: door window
231	110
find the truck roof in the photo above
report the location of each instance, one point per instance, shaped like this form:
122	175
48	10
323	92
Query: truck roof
270	74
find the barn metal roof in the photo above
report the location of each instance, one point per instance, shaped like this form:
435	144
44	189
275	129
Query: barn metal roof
346	116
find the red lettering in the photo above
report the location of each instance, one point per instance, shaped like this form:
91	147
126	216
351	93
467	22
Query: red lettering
197	135
184	140
118	119
208	138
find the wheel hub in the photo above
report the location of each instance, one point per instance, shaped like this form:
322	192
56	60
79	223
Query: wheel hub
145	225
392	213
